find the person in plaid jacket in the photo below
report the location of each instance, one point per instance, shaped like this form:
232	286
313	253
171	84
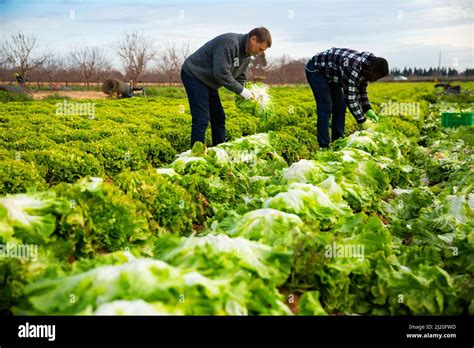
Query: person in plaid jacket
338	78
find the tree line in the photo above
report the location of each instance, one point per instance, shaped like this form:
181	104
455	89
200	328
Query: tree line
442	71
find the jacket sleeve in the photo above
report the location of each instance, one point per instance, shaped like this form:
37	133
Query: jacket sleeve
351	94
363	98
222	60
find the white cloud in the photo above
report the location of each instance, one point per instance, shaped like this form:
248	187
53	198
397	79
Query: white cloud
459	36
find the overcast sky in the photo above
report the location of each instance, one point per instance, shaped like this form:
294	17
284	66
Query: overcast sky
407	33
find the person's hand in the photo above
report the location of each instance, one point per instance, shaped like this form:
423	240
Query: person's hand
371	115
246	94
366	125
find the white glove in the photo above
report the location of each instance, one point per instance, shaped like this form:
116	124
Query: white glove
246	94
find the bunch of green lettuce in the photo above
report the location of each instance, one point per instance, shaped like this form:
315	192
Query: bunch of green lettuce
138	278
18	176
222	177
260	105
312	203
360	177
28	244
341	264
254	269
253	155
167	206
30	217
421	290
220	254
154	284
309	304
101	218
272	227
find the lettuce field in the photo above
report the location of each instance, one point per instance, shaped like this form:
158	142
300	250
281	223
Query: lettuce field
106	210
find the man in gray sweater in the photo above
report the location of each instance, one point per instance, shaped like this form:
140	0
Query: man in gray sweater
223	61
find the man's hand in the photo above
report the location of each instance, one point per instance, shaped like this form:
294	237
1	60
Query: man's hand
366	125
371	115
246	94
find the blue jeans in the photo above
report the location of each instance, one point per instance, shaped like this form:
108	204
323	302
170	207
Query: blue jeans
205	105
329	100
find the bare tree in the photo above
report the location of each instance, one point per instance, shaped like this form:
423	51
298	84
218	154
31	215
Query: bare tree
20	51
89	61
172	58
103	74
280	67
49	69
286	70
136	51
63	72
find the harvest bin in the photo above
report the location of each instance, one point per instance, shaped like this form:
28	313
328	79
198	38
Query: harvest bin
456	119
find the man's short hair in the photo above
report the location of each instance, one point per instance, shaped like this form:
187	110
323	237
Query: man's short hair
380	66
262	34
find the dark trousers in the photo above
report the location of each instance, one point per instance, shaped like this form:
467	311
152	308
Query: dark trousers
329	100
205	105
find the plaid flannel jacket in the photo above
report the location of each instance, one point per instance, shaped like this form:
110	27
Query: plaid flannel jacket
344	67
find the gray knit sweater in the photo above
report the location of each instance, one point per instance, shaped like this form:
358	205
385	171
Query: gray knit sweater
223	61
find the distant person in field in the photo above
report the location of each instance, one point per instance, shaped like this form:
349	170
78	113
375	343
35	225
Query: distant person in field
19	79
338	78
223	61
